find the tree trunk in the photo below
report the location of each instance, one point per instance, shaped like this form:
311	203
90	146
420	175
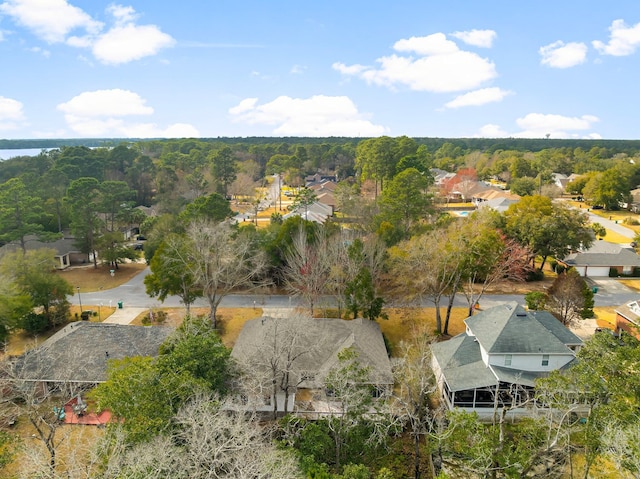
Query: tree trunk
448	317
438	316
416	464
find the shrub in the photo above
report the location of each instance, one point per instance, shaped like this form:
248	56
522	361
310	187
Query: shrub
534	275
631	221
613	273
34	323
535	300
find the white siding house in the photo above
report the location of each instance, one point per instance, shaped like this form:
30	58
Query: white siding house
496	361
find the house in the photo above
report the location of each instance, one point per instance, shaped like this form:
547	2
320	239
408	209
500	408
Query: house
318	178
78	353
66	252
601	257
307	349
496	361
317	212
496	199
628	318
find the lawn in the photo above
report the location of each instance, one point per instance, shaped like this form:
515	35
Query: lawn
91	279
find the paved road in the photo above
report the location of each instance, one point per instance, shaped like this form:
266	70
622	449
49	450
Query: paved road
132	294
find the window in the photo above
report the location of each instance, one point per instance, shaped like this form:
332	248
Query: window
507	359
545	360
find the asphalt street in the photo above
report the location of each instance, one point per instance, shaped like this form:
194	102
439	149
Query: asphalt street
132	294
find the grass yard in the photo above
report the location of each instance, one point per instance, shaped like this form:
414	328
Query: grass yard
94	279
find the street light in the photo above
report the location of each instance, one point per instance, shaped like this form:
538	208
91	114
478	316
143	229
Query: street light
79	298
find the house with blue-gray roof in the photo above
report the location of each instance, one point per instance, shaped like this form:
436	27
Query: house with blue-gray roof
497	360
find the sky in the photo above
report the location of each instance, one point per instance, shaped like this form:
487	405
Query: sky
237	68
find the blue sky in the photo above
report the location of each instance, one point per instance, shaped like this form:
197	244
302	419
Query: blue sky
149	68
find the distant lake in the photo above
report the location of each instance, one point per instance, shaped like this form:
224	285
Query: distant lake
6	154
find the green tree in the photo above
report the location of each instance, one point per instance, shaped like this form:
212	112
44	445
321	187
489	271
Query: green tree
195	348
169	275
305	198
21	214
113	195
147	392
376	159
599	230
349	386
83	197
609	188
524	186
605	383
113	251
224	169
405	200
547	228
212	207
33	275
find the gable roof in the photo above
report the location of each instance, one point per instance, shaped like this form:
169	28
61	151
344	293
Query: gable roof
62	246
603	253
630	311
78	352
319	341
510	329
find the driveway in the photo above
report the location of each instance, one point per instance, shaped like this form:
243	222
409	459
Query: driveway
611	292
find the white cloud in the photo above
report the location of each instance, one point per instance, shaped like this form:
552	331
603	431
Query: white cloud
539	125
55	20
11	114
245	105
99	103
479	97
318	115
51	20
297	69
492	131
477	38
623	40
435	44
122	14
126	43
439	67
561	55
103	113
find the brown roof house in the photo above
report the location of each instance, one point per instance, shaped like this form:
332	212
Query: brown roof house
601	257
628	318
286	361
496	361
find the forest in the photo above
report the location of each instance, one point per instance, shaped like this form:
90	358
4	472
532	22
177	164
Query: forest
391	242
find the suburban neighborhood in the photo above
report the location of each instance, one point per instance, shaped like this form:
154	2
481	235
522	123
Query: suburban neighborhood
345	311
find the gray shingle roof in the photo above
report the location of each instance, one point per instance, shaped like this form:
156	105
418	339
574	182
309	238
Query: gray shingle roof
321	340
460	360
503	329
603	253
510	329
78	353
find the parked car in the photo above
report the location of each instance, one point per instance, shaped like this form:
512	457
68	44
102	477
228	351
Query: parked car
138	247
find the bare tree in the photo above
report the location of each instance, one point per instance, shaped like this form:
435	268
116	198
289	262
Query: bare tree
219	260
25	394
308	266
415	384
209	442
566	296
275	366
426	268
